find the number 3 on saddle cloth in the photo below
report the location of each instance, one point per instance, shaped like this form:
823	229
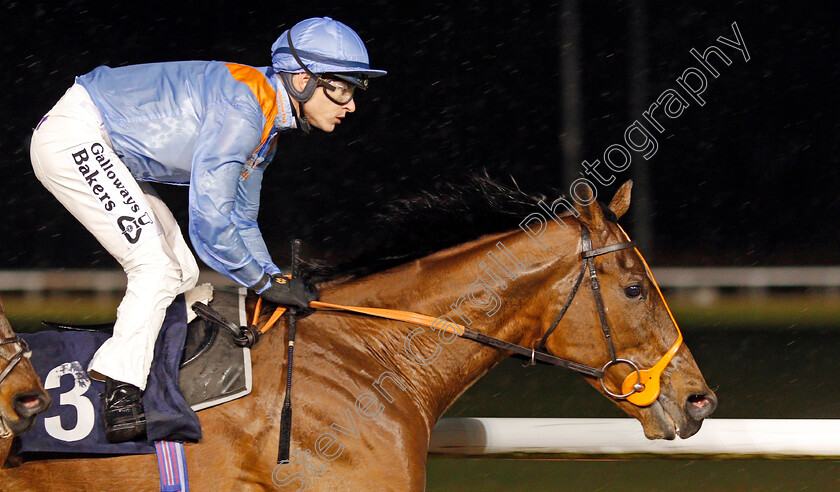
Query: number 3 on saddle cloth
73	423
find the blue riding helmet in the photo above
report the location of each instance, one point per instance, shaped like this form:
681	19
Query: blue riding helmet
323	45
320	46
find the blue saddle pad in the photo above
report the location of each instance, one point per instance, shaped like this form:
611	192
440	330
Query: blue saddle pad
73	423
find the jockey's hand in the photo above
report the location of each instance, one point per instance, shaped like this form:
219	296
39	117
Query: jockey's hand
291	292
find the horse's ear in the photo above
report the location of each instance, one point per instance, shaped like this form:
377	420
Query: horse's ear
621	201
589	215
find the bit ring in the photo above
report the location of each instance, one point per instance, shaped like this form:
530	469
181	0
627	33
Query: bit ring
638	387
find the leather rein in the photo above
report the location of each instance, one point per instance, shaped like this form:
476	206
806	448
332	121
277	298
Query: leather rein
640	387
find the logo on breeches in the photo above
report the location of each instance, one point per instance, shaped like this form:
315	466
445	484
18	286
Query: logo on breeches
108	182
131	227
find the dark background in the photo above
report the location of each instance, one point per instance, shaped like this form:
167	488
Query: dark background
751	178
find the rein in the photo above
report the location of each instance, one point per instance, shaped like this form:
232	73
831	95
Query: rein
464	332
437	324
640	387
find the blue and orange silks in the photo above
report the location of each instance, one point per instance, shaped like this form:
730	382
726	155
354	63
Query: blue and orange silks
211	126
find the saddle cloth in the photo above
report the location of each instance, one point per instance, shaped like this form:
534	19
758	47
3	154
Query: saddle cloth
210	370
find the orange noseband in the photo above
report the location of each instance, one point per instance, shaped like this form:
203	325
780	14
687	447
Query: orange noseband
642	386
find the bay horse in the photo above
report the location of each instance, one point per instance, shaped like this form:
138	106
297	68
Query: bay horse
22	396
367	392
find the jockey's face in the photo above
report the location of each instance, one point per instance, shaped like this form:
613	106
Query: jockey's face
322	112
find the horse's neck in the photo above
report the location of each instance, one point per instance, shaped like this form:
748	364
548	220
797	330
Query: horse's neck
442	284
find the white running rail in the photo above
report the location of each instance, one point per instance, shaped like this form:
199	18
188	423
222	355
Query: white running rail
623	438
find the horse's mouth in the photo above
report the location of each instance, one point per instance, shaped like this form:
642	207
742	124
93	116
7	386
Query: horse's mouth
664	420
657	423
10	428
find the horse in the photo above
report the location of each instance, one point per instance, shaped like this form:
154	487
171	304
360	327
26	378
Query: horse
22	396
367	392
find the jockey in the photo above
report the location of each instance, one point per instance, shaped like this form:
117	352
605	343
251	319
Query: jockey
211	126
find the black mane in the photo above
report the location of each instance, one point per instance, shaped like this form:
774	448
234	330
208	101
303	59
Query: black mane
413	227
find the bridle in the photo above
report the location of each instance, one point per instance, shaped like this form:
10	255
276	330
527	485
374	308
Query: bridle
641	386
23	352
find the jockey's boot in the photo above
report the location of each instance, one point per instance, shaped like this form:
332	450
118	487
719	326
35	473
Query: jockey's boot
122	411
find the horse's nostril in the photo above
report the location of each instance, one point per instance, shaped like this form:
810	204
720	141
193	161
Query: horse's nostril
701	406
698	401
30	402
28	405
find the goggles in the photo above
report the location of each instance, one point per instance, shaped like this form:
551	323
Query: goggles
338	92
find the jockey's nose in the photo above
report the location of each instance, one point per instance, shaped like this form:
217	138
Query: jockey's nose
30	403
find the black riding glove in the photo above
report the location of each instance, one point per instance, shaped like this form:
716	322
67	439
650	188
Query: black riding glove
289	292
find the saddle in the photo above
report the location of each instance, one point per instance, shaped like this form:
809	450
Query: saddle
211	369
214	368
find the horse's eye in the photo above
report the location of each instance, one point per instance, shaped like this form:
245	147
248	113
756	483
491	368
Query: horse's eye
634	291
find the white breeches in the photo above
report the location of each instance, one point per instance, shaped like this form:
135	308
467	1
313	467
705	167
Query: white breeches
72	157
